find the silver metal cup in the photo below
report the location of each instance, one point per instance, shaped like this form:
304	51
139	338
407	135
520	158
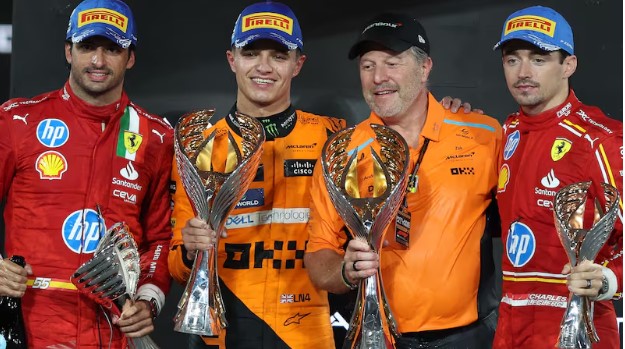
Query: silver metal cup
212	195
577	329
367	218
112	274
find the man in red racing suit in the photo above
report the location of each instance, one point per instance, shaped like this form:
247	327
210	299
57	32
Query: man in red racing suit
68	156
550	144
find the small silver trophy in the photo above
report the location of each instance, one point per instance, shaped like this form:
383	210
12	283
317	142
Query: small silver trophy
111	276
577	330
367	219
212	195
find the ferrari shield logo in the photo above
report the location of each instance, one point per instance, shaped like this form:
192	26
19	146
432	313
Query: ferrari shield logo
132	141
560	147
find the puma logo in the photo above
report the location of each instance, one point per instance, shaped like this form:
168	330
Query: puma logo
23	118
159	134
592	141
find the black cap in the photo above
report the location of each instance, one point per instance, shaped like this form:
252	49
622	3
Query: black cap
396	32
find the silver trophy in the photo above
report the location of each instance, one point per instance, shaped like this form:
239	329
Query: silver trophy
212	195
577	329
111	276
372	323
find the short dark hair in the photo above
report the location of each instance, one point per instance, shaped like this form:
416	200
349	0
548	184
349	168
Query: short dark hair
514	45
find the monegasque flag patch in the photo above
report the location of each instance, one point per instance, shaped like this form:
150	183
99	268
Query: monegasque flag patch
130	142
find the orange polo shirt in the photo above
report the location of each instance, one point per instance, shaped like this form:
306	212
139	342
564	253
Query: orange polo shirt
433	283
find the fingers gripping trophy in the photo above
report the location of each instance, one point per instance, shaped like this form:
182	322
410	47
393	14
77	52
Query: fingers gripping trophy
213	195
372	323
577	329
111	276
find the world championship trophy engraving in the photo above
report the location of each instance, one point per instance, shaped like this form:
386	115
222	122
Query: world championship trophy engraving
577	329
372	323
111	276
213	195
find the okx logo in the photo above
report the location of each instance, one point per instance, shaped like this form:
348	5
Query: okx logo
82	230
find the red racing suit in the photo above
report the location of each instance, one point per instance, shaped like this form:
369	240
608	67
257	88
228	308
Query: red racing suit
270	301
63	161
543	153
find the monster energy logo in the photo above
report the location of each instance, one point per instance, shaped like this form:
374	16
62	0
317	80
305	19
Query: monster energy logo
270	128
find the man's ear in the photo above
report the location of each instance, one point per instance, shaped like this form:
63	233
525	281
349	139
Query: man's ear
299	64
570	65
68	52
230	58
427	68
131	59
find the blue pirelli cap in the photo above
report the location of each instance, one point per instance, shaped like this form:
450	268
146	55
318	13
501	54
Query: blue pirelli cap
267	20
111	19
540	26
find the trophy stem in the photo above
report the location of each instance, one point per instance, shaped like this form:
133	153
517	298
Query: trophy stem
196	311
367	330
576	329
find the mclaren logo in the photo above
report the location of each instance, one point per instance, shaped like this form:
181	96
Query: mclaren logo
301	146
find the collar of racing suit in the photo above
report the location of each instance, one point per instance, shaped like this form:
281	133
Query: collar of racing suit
276	126
104	113
549	117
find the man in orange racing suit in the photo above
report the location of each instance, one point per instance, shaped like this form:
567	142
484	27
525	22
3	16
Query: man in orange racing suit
270	301
552	141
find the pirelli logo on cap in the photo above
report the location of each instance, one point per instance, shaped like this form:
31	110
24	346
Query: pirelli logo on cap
267	20
103	15
535	23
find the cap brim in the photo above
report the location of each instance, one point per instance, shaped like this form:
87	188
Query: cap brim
100	30
532	39
248	39
389	41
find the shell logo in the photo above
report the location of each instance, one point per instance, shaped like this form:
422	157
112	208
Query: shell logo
504	178
51	165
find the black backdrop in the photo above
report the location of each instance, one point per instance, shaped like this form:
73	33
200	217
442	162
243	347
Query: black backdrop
181	62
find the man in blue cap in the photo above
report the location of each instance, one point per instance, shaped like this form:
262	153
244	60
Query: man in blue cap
552	141
270	301
76	161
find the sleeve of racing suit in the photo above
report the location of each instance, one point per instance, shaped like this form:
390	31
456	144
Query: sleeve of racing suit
7	155
157	229
179	265
608	160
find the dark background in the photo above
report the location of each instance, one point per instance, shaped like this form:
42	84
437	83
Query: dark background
181	62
